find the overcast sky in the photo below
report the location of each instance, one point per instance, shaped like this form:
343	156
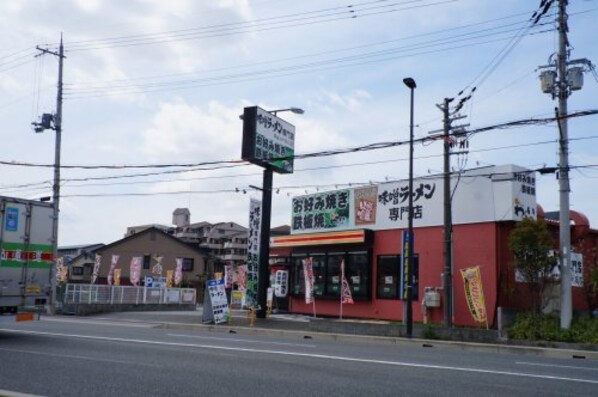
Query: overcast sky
153	82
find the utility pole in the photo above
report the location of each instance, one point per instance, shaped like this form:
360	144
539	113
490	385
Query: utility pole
564	189
447	273
40	127
560	80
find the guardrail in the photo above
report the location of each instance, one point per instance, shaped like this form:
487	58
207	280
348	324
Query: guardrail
116	294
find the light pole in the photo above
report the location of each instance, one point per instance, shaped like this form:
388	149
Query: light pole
263	276
410	83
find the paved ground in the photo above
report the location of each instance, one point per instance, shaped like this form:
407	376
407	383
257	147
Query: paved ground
306	327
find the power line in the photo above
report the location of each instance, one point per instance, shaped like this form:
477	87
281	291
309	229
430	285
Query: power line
347	12
432	46
462	174
218	164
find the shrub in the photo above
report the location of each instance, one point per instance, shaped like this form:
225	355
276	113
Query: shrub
535	326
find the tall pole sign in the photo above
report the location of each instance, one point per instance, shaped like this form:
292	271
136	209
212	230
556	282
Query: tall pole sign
268	141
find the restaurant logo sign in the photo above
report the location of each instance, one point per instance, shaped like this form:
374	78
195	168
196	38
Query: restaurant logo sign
268	141
323	211
490	194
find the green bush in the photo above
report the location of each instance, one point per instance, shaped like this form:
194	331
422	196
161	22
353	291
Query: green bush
534	326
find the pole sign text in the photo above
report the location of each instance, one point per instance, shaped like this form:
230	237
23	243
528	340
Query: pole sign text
268	141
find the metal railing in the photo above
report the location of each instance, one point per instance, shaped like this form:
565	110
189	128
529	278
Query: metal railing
116	294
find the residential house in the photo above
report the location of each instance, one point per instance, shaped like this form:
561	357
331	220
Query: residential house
151	244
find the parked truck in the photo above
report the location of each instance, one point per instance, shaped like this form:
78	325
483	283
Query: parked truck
26	258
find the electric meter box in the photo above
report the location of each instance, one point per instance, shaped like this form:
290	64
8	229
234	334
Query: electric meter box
432	298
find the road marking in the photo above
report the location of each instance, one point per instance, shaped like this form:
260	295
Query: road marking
111	322
554	365
243	340
308	355
8	393
76	357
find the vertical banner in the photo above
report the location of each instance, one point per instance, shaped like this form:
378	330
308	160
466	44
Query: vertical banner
308	274
61	270
116	276
241	270
228	275
135	270
178	272
346	296
96	268
169	278
113	263
157	269
253	249
404	276
474	293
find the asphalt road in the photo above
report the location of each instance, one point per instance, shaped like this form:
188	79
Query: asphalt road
102	356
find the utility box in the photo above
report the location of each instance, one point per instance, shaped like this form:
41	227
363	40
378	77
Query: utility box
431	297
547	81
575	78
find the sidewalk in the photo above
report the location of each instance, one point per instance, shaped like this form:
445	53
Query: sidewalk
361	331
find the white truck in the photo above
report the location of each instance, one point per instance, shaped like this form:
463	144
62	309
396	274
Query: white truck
26	258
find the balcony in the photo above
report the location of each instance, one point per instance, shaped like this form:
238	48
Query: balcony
233	257
231	245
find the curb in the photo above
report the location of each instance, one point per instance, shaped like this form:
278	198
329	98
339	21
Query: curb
547	352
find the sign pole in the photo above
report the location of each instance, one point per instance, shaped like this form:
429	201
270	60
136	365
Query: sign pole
264	256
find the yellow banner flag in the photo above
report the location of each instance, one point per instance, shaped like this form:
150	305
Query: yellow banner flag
474	293
116	276
169	277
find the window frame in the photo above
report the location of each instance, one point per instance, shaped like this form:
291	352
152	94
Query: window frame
297	289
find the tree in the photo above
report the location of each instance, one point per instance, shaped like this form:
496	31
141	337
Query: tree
590	275
530	243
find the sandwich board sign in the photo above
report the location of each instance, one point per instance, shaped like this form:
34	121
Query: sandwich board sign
215	304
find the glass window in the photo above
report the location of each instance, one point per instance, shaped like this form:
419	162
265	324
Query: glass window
187	264
327	274
319	266
333	282
358	274
388	272
146	261
77	271
297	274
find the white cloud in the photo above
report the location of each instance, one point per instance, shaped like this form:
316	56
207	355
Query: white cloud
353	101
183	131
89	6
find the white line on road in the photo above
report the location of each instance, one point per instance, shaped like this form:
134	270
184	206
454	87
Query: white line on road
309	355
70	356
555	365
123	323
243	340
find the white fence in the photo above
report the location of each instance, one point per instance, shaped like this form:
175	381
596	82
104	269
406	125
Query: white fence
117	295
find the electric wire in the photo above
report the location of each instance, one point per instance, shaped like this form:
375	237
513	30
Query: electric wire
434	46
291	20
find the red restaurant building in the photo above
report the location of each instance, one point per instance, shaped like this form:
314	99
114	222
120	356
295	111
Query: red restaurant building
363	228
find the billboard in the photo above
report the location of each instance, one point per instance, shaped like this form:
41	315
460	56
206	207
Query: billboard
489	194
268	141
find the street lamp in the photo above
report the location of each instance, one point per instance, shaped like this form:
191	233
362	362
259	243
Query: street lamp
275	112
410	83
263	276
